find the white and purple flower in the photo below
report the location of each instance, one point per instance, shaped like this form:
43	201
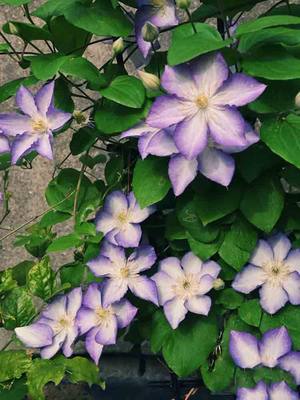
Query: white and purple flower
182	286
100	321
33	129
123	274
56	328
276	391
275	268
4	144
119	219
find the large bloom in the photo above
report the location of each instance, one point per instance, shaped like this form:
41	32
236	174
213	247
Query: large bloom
161	13
276	269
120	217
182	286
123	274
101	321
202	103
56	328
33	129
276	391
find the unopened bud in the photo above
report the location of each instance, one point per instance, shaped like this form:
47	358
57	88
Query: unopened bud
150	81
218	284
81	119
297	100
12	28
150	32
183	4
118	46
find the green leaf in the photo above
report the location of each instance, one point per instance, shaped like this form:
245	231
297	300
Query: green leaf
14	2
7	281
230	299
266	22
282	137
17	308
45	66
187	45
188	347
52	8
114	170
13	364
126	90
159	332
62	97
111	117
80	369
251	312
52	218
270	376
174	231
27	32
150	180
238	244
41	279
83	69
99	18
263	202
10	88
77	274
204	250
64	243
4	47
20	271
15	391
83	139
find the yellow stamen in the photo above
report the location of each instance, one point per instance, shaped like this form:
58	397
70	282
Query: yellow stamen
39	125
202	101
122	217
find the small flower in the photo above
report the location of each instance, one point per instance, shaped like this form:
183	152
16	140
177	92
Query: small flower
201	102
248	352
277	391
150	81
124	273
119	220
183	4
82	119
182	286
118	46
56	328
33	129
100	321
150	32
276	269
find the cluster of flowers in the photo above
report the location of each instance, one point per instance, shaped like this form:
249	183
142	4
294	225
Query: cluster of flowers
179	286
273	350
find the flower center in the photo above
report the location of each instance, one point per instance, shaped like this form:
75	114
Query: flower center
123	217
102	314
276	271
64	323
202	101
39	125
186	287
124	272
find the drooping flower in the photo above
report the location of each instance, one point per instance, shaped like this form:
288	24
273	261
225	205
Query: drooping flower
276	269
100	321
119	219
161	13
276	391
201	102
56	328
249	352
182	286
33	129
123	273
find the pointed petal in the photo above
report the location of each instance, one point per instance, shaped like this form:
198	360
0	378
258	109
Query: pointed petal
142	259
249	279
107	331
116	203
216	165
114	289
55	310
159	144
44	98
36	335
50	351
244	349
142	15
291	285
281	391
124	312
175	311
251	137
259	392
293	260
22	145
74	300
165	287
281	246
211	268
57	119
274	344
181	173
144	287
172	267
191	264
4	144
199	304
44	146
104	222
86	320
179	81
205	285
72	334
14	124
138	214
92	297
262	254
165	16
114	253
272	298
101	266
130	236
139	130
291	363
93	348
25	101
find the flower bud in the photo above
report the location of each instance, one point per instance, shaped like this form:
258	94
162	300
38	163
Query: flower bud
118	46
183	4
150	81
218	284
150	32
12	28
297	100
81	119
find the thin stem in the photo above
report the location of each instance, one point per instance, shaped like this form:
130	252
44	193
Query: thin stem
6	196
77	88
130	54
27	14
18	52
275	5
82	171
89	44
10	45
190	19
36	48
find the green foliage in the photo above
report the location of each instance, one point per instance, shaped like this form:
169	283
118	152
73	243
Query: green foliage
125	90
17	308
41	279
13	364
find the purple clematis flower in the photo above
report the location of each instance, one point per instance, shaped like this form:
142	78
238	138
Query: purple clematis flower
201	102
33	129
124	273
101	322
182	286
277	391
248	352
276	269
120	217
291	364
161	13
4	144
56	328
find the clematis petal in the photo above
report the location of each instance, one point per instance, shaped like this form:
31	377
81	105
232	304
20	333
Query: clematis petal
57	119
36	335
72	334
274	344
165	16
159	144
116	203
74	300
130	236
259	392
124	312
44	98
281	391
175	311
291	285
211	268
92	297
113	290
251	137
165	287
291	363
44	146
191	264
262	254
93	348
86	320
249	279
25	101
144	287
22	145
142	15
142	259
198	305
293	260
272	298
244	349
205	284
138	214
238	90
55	310
181	173
101	266
114	253
49	351
104	222
14	124
139	130
179	81
172	267
281	246
4	144
107	331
